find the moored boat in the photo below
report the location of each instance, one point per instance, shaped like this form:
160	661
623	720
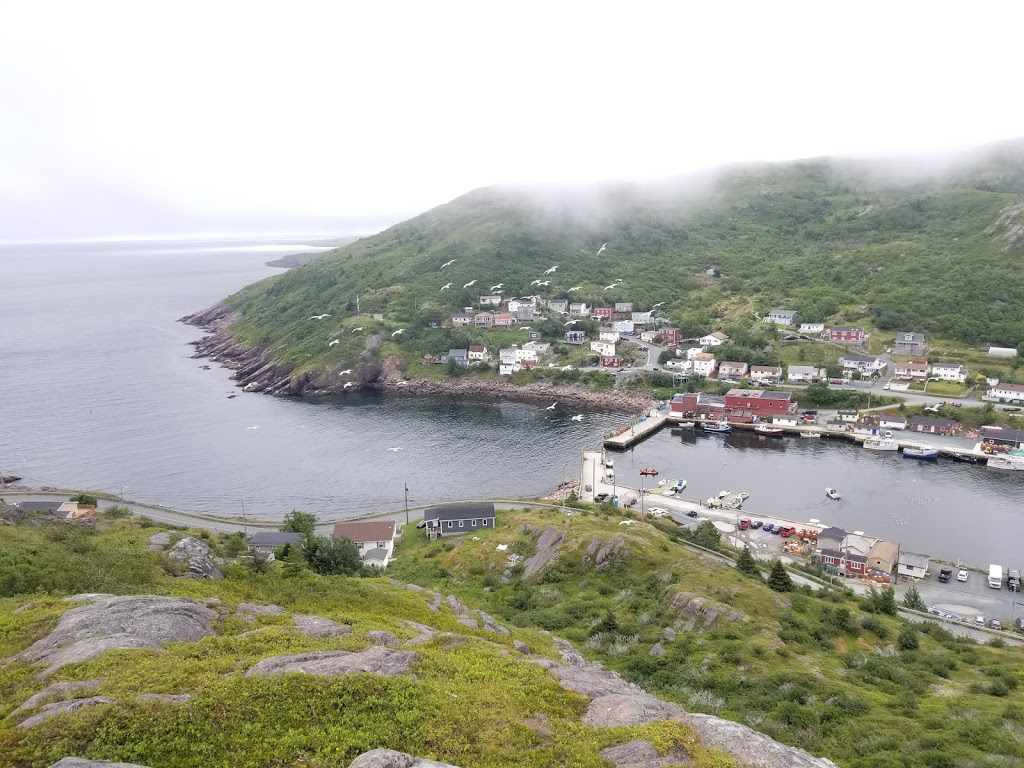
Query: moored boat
717	427
923	453
770	431
833	494
966	458
1010	462
881	442
810	434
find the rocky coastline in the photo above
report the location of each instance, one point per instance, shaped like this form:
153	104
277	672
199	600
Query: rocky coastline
256	371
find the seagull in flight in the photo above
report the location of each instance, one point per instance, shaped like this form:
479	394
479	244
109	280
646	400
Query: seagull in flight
447	263
602	249
658	305
619	280
524	328
496	287
572	322
613	285
576	288
252	427
543	282
471	282
345	372
446	286
550	271
336	341
400	330
577	417
354	330
535	282
349	384
318	317
552	406
393	450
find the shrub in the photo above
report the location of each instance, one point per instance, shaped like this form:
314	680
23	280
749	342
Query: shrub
116	512
913	600
908	638
746	564
331	556
85	498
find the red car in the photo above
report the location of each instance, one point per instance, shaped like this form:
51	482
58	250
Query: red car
744	523
787	532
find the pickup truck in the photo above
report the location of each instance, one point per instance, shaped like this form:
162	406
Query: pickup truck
945	574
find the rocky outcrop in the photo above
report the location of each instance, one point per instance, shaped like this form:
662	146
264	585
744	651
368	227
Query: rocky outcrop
317	626
135	621
62	707
380	637
248	610
642	754
388	758
81	762
699	613
603	553
522	647
547	550
158	542
198	557
377	660
58	691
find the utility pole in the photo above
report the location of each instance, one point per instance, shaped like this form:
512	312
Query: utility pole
406	502
245	523
641	496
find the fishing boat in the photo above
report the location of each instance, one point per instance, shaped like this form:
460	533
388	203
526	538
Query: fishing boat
882	442
765	429
810	434
833	494
1011	462
650	472
966	458
719	427
922	453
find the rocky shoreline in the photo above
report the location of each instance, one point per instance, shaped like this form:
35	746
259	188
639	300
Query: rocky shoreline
256	371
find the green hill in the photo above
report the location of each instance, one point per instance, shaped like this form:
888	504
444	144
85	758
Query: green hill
847	241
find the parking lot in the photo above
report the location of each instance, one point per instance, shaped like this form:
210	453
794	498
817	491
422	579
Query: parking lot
968	599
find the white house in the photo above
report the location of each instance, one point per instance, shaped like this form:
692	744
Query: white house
782	316
704	364
889	421
641	318
680	365
730	370
540	347
789	420
802	373
812	327
849	417
555	305
524	355
623	306
766	373
507	369
949	372
490	301
609	334
578	309
507	356
691	351
912	564
648	336
623	326
867	364
603	347
912	370
478	353
375	539
713	339
1010	393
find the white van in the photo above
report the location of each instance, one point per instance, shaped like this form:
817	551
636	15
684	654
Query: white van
995	576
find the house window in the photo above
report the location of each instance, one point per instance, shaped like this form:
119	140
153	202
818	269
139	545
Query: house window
381	544
462	523
449	523
474	522
485	521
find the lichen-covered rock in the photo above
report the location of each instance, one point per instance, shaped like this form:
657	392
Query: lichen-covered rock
317	626
570	655
388	758
166	698
158	542
657	650
468	621
547	550
134	621
377	660
87	597
749	747
58	691
522	647
59	707
81	762
458	608
197	555
249	611
603	554
629	709
642	754
668	635
380	637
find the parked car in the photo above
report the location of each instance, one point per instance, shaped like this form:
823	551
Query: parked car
601	498
996	624
1011	409
744	523
768	528
979	621
787	532
691	513
657	511
756	524
809	412
1020	623
887	385
837	381
631	503
945	574
962	576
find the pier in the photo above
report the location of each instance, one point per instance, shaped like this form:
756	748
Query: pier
633	433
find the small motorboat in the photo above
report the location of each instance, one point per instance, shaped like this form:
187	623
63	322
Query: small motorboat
719	427
649	472
810	434
833	494
680	486
765	429
924	453
966	458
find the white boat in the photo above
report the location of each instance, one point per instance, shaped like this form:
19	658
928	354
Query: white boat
833	494
810	434
1015	463
882	442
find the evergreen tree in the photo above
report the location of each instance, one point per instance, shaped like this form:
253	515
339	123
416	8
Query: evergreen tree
908	638
913	600
746	564
887	602
293	564
707	535
779	579
299	522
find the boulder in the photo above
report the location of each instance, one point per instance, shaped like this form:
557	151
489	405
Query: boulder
468	621
158	542
749	747
317	626
197	555
458	608
81	762
547	550
522	647
570	655
657	650
629	709
58	707
379	661
166	698
58	691
668	635
642	754
388	758
87	597
603	554
380	637
249	611
134	621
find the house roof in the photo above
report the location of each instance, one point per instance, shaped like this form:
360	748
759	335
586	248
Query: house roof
890	419
765	368
457	353
377	553
476	348
884	550
504	317
947	365
366	530
832	533
859	358
38	506
759	394
912	366
459	511
274	538
930	422
914	559
704	356
909	337
732	364
844	328
719	335
854	558
1009	387
461	314
1003	435
783	312
810	369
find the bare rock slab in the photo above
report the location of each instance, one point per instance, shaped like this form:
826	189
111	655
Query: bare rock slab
202	564
59	707
380	637
629	709
58	691
389	758
317	626
379	661
134	621
158	542
642	754
81	762
749	747
547	550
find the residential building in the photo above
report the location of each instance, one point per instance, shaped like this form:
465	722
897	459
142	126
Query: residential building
525	312
766	373
609	334
757	402
507	356
680	365
559	305
704	364
611	361
483	320
690	350
803	373
642	318
648	336
623	307
913	565
374	538
909	343
697	405
730	370
578	309
623	327
915	370
39	507
932	426
478	354
505	321
867	365
603	313
1013	438
514	305
890	421
831	538
490	301
841	562
865	428
883	556
788	420
603	347
1006	392
524	355
812	327
575	337
540	347
459	356
462	319
950	372
782	316
507	369
844	334
670	336
453	519
266	542
848	417
713	339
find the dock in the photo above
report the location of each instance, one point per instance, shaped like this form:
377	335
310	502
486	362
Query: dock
638	430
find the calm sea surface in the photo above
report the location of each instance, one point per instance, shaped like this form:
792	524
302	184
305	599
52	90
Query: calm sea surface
97	390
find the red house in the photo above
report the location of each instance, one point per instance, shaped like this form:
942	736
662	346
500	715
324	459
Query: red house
611	361
848	563
603	312
757	402
671	335
504	321
844	334
932	426
697	404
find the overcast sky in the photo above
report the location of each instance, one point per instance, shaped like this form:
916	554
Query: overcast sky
147	118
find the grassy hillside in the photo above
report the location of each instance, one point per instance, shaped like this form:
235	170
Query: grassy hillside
817	670
838	240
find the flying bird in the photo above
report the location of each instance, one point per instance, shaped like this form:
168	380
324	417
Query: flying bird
394	449
572	322
576	288
252	427
471	282
524	328
552	406
619	280
543	282
349	384
446	286
496	287
336	341
577	417
354	330
318	317
602	249
345	372
613	285
657	305
400	330
550	271
535	282
447	263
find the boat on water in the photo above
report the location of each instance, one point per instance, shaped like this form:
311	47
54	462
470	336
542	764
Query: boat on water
810	434
718	427
833	494
765	429
649	472
882	442
923	453
1011	462
683	425
966	458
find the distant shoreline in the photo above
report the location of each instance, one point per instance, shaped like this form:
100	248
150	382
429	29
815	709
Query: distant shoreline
293	260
